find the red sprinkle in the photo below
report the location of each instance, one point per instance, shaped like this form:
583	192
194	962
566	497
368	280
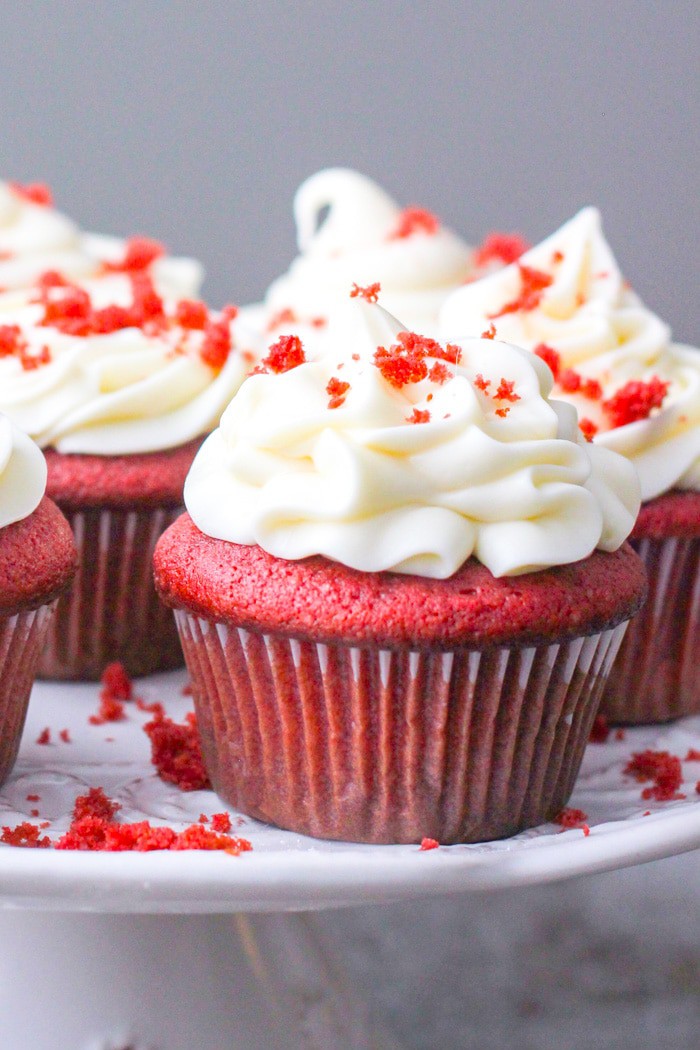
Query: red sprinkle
285	354
533	283
176	752
44	736
427	844
635	400
117	682
571	818
419	416
500	247
587	428
36	192
26	835
337	390
415	220
663	768
370	293
139	253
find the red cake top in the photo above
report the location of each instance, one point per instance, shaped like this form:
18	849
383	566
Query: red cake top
245	586
37	559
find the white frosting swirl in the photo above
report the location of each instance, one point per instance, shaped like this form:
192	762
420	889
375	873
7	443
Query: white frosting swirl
128	391
362	486
22	474
603	330
35	238
354	243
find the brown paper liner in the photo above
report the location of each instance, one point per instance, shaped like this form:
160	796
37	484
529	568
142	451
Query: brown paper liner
375	745
21	640
656	676
113	612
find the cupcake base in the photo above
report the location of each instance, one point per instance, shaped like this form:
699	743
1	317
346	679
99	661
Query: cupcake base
391	745
112	612
21	640
657	674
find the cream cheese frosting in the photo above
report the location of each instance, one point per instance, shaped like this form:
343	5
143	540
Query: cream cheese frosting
137	388
22	474
426	457
364	237
35	238
569	295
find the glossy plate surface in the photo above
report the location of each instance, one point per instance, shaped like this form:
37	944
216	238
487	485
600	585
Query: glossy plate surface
287	871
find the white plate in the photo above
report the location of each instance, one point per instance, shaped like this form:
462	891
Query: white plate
287	871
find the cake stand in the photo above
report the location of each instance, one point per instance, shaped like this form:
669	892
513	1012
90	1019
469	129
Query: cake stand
175	951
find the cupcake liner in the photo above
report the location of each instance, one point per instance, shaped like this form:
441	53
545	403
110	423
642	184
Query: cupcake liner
656	676
113	612
21	640
379	745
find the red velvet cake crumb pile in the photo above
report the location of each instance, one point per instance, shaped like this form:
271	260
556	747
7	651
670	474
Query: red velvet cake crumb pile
117	687
176	751
504	248
26	835
285	354
573	818
663	768
532	285
414	220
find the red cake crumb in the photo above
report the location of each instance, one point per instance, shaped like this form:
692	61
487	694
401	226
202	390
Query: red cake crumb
176	752
419	416
533	283
192	314
284	316
153	708
285	354
620	734
221	822
65	736
557	257
95	804
116	682
33	798
26	835
587	428
482	384
203	819
414	220
337	390
44	736
217	343
400	365
186	689
550	357
505	391
139	253
600	730
490	332
572	818
427	844
370	293
663	768
635	400
500	247
35	192
439	373
692	756
33	812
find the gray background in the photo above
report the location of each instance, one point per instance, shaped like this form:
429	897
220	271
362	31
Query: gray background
195	122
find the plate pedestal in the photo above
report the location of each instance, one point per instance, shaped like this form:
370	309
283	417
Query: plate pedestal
175	982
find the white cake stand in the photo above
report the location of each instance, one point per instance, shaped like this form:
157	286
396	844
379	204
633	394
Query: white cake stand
175	951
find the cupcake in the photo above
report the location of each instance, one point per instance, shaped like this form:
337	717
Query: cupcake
637	393
37	564
119	385
399	586
35	239
350	230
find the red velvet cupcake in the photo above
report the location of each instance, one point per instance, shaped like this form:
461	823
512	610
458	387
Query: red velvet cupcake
637	393
119	385
37	564
393	611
